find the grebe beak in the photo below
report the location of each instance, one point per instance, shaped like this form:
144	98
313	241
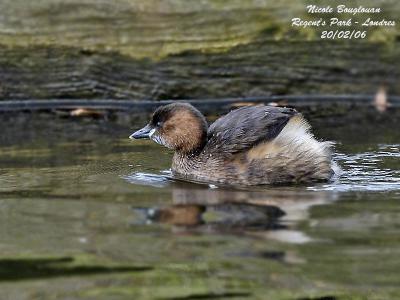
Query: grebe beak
144	133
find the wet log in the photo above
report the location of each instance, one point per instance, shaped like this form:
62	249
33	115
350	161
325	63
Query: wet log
180	50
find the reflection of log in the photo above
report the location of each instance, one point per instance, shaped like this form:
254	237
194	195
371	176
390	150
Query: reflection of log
87	49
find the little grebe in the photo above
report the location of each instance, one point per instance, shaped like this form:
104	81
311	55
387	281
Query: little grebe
249	146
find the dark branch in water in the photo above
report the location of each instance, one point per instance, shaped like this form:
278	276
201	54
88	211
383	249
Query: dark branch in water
206	104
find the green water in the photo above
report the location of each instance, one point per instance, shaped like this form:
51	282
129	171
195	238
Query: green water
86	213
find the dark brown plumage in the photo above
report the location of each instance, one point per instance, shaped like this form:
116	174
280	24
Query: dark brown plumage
248	146
246	127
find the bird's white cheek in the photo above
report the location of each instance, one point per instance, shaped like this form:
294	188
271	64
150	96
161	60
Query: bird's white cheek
152	132
157	138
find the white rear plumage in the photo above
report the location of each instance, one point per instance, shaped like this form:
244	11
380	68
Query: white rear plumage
296	137
293	155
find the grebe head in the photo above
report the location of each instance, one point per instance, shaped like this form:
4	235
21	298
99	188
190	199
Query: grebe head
178	126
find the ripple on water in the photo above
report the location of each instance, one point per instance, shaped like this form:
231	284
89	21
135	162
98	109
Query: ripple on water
360	172
363	171
154	180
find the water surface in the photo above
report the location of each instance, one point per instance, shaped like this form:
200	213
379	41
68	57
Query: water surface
88	214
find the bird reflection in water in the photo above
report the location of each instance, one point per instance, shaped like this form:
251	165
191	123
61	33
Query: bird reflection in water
270	213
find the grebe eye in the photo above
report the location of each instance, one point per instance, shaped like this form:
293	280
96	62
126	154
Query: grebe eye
159	124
